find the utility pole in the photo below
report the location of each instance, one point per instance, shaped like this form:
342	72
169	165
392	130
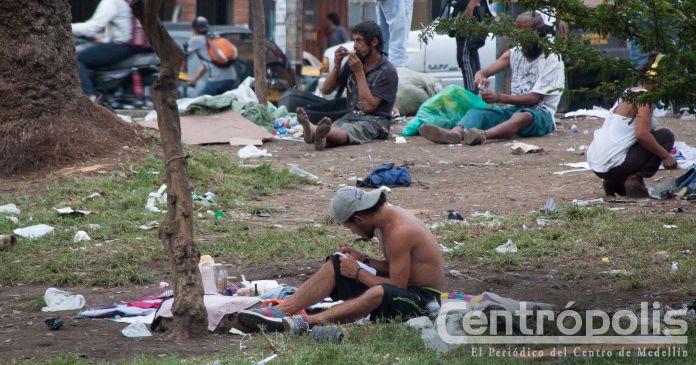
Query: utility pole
502	80
294	22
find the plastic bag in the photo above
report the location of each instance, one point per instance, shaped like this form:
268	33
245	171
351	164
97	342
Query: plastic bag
251	151
244	93
59	300
444	109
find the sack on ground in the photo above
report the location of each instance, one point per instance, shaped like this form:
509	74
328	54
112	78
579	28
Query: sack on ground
444	109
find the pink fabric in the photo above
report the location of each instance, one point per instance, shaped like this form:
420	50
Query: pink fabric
217	306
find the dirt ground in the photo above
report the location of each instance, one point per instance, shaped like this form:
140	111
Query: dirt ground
464	179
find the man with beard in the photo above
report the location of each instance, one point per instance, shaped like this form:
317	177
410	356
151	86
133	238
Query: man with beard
407	282
371	83
537	83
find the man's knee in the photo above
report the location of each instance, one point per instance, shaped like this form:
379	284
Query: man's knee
522	119
375	294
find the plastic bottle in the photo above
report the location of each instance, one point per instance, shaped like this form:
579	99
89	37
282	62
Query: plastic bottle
208	277
222	281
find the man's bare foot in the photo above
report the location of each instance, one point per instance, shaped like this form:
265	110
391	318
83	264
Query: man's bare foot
307	127
320	133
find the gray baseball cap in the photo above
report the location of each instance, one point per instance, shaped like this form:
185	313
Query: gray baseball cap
349	200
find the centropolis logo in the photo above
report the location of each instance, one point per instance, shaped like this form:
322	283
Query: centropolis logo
652	325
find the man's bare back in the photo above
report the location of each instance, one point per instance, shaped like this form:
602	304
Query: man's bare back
403	229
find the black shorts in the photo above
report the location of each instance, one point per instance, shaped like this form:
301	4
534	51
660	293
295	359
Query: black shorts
396	302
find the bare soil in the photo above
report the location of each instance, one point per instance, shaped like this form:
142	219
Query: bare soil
464	179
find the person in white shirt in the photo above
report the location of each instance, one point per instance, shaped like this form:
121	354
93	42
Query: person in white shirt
110	26
537	83
628	148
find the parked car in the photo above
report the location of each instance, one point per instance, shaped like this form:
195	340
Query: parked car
437	58
279	73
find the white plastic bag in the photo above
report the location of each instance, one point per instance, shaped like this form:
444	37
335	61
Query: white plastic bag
244	93
9	208
81	236
507	247
251	151
34	231
136	329
59	300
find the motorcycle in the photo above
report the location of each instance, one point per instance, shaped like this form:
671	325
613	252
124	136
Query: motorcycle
127	84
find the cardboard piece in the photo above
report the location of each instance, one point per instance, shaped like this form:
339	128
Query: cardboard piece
226	127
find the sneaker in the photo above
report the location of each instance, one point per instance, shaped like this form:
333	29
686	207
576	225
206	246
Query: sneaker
439	135
297	325
635	187
474	136
267	318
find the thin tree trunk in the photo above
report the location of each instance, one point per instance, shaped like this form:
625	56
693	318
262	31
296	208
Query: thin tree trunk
45	119
190	316
260	52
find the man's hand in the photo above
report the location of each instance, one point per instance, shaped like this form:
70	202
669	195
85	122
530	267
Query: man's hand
348	266
669	163
481	80
490	96
355	64
192	83
338	56
350	251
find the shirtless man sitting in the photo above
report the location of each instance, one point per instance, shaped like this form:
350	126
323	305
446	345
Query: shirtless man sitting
409	278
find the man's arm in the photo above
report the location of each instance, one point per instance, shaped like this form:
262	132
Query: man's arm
331	82
369	101
529	99
94	26
399	266
481	76
198	75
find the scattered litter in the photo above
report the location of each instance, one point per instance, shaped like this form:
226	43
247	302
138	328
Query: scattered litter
687	116
507	247
54	323
588	203
81	236
486	215
219	214
455	273
297	170
615	209
675	266
7	241
596	112
251	151
94	226
149	225
34	231
614	272
126	118
59	300
266	360
400	140
520	148
70	211
574	129
163	285
158	196
263	214
605	260
12	219
669	226
551	206
94	195
9	208
580	151
577	167
235	331
453	215
207	198
543	221
420	322
136	329
445	249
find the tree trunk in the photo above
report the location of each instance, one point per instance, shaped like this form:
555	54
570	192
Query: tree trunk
190	316
259	52
45	119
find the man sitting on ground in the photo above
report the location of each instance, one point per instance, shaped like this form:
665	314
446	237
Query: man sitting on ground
536	83
371	83
409	278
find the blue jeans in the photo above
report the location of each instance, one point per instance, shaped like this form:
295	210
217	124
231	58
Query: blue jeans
395	20
96	56
542	121
217	87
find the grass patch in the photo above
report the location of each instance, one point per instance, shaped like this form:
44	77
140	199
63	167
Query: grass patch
31	305
121	253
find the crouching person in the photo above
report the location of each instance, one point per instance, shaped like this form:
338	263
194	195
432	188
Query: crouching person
537	80
371	84
407	281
